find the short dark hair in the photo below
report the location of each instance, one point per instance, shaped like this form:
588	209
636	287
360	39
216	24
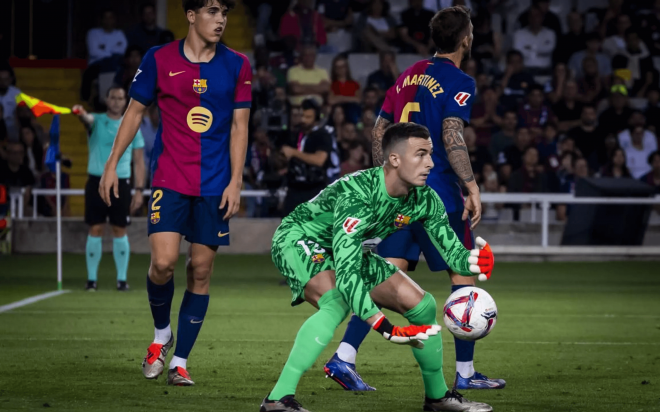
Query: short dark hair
588	106
651	156
399	132
448	27
512	53
533	87
195	5
114	87
369	89
310	104
145	5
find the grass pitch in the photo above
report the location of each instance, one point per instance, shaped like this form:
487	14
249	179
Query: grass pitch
570	337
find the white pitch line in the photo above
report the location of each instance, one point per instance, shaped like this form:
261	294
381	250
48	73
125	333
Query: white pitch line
30	300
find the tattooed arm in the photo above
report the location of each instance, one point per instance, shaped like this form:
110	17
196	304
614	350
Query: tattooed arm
459	159
377	140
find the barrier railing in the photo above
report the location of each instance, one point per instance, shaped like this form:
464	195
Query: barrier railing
545	200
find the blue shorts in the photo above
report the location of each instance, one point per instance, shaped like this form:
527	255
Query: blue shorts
198	218
408	242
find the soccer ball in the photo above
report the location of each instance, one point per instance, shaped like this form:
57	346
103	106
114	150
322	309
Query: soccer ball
470	313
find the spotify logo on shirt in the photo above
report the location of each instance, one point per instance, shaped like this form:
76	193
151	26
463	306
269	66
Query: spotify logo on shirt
200	119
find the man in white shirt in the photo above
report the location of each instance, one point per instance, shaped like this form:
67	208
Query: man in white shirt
105	41
638	143
8	94
536	43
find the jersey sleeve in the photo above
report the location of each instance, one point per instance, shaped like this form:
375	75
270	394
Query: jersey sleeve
351	219
442	236
138	142
460	100
387	111
143	88
243	93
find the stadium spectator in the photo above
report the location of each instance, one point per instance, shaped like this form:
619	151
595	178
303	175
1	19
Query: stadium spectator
309	160
579	170
640	64
591	85
588	138
349	134
128	69
638	144
368	121
616	167
490	184
536	43
371	100
571	42
106	42
47	205
356	158
548	19
547	147
652	111
304	24
25	118
479	155
554	88
617	42
535	113
568	110
515	82
414	31
34	151
384	78
513	155
529	178
507	134
8	93
147	33
615	118
338	21
486	43
343	90
336	119
263	86
375	29
607	17
650	28
307	80
652	178
14	174
485	116
592	50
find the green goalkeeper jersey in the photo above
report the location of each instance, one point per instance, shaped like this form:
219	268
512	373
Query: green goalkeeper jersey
352	215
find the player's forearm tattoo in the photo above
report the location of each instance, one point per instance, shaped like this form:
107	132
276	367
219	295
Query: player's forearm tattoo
377	140
457	152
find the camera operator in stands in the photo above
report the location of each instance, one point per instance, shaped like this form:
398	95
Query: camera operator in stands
309	160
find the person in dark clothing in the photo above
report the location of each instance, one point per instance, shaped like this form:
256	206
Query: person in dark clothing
479	155
588	138
146	34
652	178
515	82
309	160
571	42
615	118
512	155
414	31
550	19
652	111
384	78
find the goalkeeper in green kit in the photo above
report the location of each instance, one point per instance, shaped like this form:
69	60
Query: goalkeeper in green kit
323	248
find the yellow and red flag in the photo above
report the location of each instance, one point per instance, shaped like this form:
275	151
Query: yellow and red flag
39	107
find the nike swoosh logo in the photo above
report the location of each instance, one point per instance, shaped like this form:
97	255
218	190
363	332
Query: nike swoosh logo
319	342
199	321
220	234
153	304
177	73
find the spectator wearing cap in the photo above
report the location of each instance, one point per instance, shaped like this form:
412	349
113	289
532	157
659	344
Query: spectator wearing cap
385	77
507	134
512	154
615	118
515	81
548	18
592	50
536	43
652	178
640	64
338	22
573	41
307	79
638	144
414	31
617	42
588	138
534	114
303	24
147	33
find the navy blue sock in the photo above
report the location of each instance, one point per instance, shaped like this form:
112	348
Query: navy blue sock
160	300
464	348
356	331
191	317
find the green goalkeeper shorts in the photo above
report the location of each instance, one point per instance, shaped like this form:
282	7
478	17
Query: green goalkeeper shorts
300	258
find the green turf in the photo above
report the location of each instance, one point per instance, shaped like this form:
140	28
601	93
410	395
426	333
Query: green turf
570	337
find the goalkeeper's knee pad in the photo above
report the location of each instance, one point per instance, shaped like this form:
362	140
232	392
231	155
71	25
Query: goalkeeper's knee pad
424	313
333	305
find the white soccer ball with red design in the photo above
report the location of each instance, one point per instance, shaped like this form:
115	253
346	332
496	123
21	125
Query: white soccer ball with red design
470	313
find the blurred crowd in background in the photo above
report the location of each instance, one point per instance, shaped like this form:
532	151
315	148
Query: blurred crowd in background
560	96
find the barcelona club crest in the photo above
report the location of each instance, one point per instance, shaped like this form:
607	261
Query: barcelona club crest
401	221
155	218
318	258
199	85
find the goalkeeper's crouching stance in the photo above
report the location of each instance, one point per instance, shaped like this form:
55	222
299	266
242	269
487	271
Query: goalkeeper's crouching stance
323	248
